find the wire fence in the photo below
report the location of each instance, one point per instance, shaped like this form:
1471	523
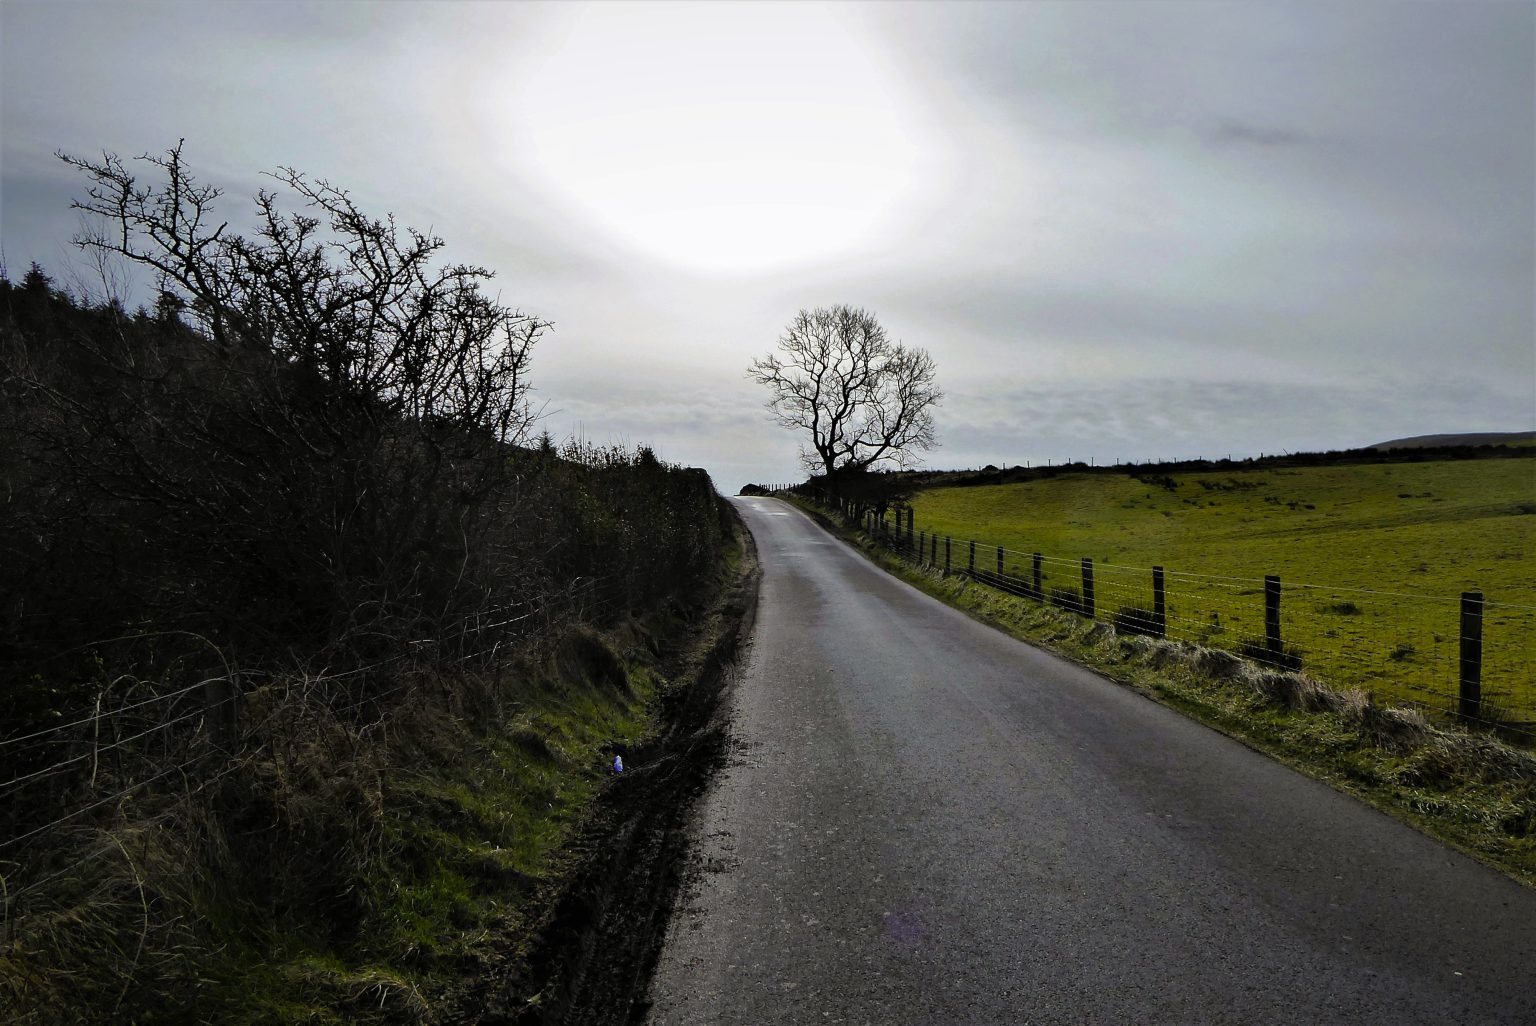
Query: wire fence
1462	657
63	786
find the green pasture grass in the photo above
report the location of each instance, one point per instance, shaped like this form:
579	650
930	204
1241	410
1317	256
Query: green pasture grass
1372	559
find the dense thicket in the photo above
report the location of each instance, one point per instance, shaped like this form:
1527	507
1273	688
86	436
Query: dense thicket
312	451
155	483
279	535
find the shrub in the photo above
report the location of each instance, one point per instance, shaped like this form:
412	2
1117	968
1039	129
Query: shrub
1066	598
1133	620
1257	649
1162	481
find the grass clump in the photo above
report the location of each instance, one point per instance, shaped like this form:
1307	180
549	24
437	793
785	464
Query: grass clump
1132	620
1069	599
1285	657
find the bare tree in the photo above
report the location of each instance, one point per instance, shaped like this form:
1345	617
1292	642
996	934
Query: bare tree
351	303
865	399
324	405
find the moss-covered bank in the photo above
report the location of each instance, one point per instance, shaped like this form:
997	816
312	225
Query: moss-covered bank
451	859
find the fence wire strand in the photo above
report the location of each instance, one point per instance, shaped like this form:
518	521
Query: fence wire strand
1308	628
588	597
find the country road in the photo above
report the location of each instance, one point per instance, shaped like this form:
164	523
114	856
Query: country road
926	821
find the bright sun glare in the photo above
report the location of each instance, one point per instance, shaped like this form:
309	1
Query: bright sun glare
725	139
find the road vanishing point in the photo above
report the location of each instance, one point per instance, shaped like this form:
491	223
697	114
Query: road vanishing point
925	821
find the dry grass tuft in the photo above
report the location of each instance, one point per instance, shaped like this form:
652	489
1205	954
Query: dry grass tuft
1216	663
1393	727
1439	757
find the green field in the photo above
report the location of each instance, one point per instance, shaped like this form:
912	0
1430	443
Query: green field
1372	559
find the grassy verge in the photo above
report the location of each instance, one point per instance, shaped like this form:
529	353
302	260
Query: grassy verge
1468	790
478	828
411	869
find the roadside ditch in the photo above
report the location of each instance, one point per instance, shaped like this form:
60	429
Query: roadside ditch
590	958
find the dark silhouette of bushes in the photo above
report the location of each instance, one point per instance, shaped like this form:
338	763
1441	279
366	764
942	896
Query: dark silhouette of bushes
313	451
1162	481
308	471
854	492
150	490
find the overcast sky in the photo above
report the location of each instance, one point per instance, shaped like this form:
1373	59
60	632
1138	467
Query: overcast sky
1123	230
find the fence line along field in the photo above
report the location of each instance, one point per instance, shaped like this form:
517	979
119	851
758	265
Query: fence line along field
1373	559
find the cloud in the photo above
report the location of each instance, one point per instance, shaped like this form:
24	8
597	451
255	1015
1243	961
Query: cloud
1174	418
1152	227
1228	131
722	428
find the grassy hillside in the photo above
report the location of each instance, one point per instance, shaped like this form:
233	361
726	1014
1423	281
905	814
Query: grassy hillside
1372	560
1518	439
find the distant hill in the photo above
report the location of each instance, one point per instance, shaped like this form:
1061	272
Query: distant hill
1483	438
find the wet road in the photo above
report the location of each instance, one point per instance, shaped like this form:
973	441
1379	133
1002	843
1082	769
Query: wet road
928	822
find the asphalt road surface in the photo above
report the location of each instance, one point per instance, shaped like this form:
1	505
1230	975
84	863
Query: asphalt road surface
926	821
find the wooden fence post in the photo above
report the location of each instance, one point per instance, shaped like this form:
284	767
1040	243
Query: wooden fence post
1159	602
999	564
973	559
221	700
1088	603
933	539
1038	589
1471	705
1272	615
922	545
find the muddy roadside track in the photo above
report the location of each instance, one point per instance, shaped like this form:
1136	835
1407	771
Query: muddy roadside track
592	959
